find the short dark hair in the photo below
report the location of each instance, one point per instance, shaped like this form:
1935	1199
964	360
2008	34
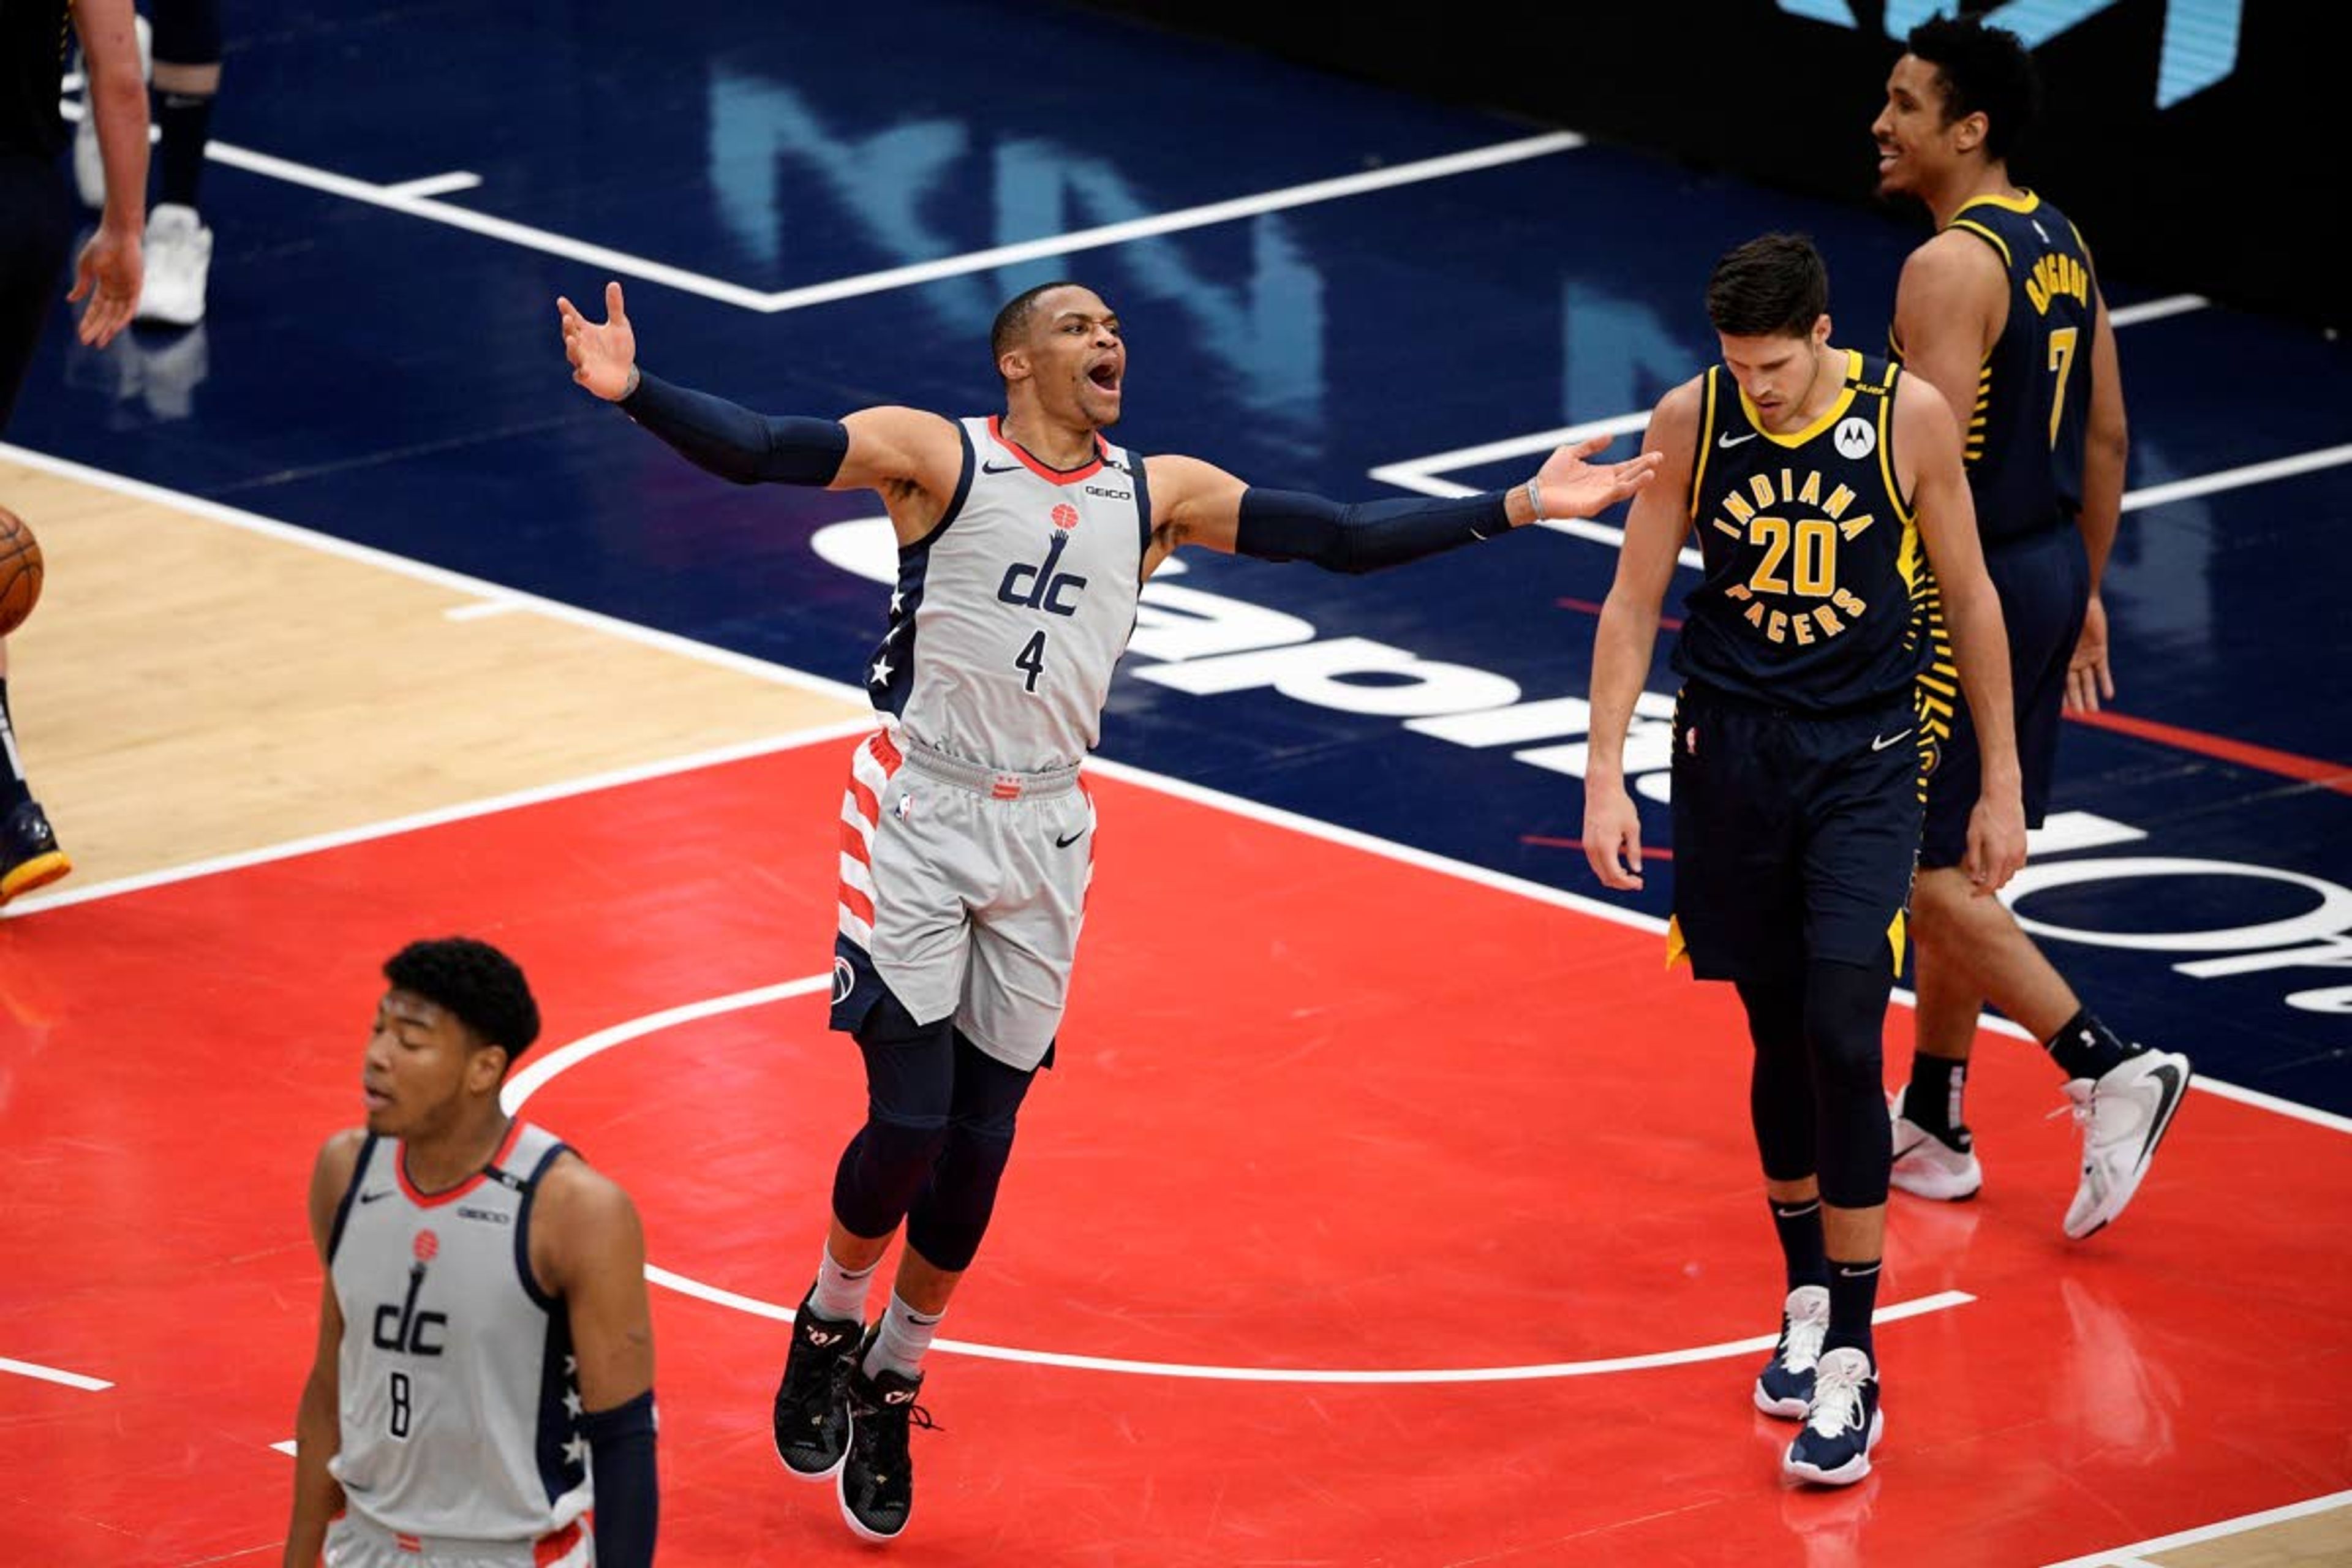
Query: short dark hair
481	985
1982	68
1013	320
1776	284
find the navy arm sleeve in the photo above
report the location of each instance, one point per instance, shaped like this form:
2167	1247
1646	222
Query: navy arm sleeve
1287	525
628	1493
734	442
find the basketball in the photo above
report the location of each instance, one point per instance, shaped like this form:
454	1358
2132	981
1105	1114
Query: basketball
20	572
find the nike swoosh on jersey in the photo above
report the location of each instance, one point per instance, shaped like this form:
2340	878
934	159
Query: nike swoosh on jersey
1728	440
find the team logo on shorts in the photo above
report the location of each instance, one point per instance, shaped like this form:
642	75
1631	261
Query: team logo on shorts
844	981
905	807
1855	438
1065	516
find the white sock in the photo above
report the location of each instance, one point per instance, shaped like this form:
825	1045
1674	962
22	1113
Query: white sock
906	1335
839	1293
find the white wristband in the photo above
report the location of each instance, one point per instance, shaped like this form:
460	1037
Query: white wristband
1535	501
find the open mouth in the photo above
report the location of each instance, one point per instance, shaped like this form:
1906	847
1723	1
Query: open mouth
1105	375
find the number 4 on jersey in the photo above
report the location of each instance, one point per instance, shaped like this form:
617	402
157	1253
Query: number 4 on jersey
1031	658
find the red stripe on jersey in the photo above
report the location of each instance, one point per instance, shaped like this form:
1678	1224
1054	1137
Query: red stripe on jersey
884	752
554	1548
1051	476
857	903
853	843
868	807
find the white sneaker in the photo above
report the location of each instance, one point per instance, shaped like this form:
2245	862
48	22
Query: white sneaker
2123	1115
89	167
1927	1167
179	258
1785	1387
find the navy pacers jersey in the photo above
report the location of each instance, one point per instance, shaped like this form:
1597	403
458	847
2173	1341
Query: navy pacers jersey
1817	597
2034	391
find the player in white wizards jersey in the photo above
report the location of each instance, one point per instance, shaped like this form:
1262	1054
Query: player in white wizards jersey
1023	540
482	1395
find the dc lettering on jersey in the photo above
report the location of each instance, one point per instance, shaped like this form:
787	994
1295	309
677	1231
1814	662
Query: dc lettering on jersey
404	1329
1041	587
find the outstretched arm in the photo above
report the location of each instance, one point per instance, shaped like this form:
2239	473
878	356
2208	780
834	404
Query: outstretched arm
912	457
1628	631
1194	502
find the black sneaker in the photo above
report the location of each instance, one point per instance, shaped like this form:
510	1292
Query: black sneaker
29	856
878	1480
812	1414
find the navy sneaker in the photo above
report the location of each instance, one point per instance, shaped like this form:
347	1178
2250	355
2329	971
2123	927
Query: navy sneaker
812	1413
1785	1388
1843	1425
878	1479
29	856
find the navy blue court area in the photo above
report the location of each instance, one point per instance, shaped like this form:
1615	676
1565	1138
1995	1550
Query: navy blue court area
381	361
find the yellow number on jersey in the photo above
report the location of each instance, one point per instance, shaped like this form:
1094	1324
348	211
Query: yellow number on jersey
2061	360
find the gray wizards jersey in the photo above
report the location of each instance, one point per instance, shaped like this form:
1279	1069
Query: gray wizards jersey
1011	613
459	1417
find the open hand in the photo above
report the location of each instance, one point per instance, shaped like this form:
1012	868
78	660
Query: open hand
1574	488
602	355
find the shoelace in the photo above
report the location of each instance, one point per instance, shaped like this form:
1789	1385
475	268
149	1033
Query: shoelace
1837	1398
1801	1343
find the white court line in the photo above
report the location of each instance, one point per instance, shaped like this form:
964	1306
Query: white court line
544	1070
2233	479
1406	475
437	185
2124	1556
590	784
482	610
327	543
415	198
528	1082
51	1375
2156	309
1188	217
1163	784
1420	473
286	1447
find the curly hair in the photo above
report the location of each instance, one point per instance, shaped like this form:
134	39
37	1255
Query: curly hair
1982	68
481	985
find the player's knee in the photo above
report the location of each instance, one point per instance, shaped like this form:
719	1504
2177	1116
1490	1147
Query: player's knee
1939	898
1845	1021
883	1168
946	1224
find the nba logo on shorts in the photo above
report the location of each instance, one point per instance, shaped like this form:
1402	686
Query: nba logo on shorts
905	808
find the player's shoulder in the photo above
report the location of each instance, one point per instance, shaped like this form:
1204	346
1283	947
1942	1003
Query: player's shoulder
340	1155
571	1190
1678	412
1956	256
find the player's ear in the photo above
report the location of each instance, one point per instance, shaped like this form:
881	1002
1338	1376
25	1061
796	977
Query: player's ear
486	1067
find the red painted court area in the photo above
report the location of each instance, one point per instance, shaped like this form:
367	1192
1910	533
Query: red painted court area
1316	1109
